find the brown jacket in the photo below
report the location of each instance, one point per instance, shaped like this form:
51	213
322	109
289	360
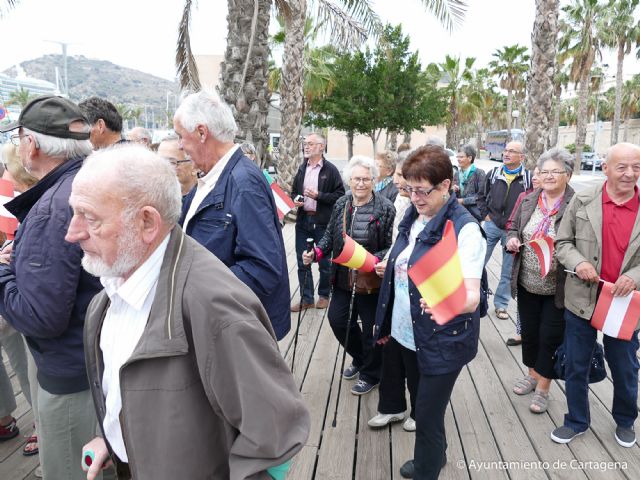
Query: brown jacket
206	393
520	220
580	240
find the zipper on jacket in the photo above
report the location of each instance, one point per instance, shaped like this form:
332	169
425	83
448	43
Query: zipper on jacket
172	286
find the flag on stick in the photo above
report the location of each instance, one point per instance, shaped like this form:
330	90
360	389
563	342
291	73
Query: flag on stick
616	316
543	248
438	277
284	204
355	256
8	223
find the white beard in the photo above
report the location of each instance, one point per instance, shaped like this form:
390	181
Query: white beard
131	250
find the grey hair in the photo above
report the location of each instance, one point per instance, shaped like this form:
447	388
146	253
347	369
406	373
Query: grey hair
469	151
207	108
142	177
248	148
402	156
142	133
321	138
388	158
559	155
61	148
171	137
434	140
360	161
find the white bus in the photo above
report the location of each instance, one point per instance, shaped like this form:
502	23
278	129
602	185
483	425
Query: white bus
496	141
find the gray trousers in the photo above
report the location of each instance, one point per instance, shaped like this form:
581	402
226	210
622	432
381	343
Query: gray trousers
13	345
65	424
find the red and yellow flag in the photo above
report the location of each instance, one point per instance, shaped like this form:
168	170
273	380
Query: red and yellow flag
438	277
355	256
8	223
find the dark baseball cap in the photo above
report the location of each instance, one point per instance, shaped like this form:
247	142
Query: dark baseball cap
51	115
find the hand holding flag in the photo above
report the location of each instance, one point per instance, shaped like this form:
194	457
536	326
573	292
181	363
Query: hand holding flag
616	316
438	277
355	256
543	248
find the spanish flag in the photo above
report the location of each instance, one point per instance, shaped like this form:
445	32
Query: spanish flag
354	256
8	223
438	277
284	204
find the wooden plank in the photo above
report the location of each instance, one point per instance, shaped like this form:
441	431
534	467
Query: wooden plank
373	458
402	444
454	469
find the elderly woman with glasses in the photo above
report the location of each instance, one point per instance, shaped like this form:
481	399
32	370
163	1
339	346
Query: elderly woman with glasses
432	354
385	186
468	181
540	298
367	217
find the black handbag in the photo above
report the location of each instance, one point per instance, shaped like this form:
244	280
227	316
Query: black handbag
597	373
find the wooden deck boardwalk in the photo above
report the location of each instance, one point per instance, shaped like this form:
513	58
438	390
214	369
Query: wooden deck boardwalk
490	432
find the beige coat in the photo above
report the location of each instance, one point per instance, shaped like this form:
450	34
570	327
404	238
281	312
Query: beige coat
579	239
206	393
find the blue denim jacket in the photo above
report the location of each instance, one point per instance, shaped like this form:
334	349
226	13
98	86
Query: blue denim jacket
440	349
238	222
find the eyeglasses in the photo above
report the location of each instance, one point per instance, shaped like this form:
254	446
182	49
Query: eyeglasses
175	163
362	180
15	139
420	192
513	152
553	173
310	144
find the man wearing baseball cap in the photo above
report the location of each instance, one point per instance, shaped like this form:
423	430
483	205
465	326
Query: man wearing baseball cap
44	291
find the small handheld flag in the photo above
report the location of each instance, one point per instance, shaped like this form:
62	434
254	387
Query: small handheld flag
616	317
3	111
8	223
284	204
355	256
543	248
438	277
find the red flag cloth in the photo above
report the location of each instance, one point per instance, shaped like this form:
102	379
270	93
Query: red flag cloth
438	277
616	316
8	223
355	256
543	248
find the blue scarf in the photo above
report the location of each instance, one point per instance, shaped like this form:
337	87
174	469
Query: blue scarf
464	178
514	171
382	183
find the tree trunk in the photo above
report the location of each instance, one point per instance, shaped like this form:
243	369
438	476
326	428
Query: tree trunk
509	108
374	142
540	88
393	141
349	145
581	117
244	73
291	89
452	126
557	109
615	126
407	138
625	136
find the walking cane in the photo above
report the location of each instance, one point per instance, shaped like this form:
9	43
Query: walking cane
346	342
304	283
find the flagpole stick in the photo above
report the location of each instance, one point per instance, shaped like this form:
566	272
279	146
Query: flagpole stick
302	287
346	342
572	272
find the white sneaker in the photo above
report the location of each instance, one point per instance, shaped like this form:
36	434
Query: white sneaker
38	472
409	425
384	419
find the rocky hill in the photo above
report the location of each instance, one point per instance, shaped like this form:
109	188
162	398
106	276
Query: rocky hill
88	77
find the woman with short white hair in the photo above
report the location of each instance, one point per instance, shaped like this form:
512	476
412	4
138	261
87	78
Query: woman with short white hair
367	217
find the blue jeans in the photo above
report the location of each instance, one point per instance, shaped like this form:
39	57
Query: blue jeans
496	235
580	341
306	228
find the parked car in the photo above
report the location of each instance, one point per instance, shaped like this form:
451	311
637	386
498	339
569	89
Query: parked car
588	158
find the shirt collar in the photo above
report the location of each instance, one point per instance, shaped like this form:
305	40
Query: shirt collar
631	204
215	172
135	289
319	164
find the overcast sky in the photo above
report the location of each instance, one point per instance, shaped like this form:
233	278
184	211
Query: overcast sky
142	34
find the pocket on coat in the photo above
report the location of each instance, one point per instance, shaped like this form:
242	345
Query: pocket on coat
456	341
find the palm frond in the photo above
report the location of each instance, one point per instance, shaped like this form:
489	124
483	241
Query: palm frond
348	27
185	62
6	6
450	13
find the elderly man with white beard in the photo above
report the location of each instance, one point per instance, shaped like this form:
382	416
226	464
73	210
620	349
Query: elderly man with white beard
186	376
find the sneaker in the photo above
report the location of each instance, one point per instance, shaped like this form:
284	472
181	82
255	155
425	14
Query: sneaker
625	436
351	372
38	472
363	387
409	425
384	419
9	431
564	434
301	306
406	470
323	302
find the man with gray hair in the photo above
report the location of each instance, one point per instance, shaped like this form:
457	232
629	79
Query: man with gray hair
185	371
170	150
44	292
232	211
140	135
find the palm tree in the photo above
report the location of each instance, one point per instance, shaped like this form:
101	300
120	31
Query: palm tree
20	97
6	6
540	82
560	82
510	65
630	102
619	30
579	43
458	75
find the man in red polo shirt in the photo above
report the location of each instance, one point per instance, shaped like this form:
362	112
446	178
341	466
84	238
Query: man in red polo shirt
599	238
